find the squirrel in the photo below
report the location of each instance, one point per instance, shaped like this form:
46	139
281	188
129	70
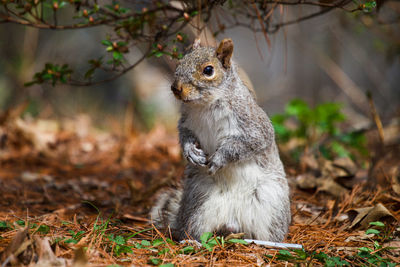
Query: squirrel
234	181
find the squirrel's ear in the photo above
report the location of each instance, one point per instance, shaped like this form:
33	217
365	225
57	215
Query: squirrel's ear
196	43
224	52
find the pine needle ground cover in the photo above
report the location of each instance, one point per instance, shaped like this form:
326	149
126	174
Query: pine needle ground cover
71	195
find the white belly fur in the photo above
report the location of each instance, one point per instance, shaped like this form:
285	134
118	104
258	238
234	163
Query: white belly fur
231	200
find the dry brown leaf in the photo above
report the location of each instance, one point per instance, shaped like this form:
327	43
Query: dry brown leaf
349	251
392	132
393	244
384	167
19	251
359	236
363	216
345	164
46	257
80	259
39	137
394	173
308	161
329	169
330	186
13	113
306	181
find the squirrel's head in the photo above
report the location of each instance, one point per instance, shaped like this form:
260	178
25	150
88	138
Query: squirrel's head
200	73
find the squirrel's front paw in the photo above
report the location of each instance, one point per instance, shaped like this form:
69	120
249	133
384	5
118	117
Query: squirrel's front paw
194	154
215	163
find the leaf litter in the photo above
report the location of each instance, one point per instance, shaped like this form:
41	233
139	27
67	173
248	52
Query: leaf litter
72	195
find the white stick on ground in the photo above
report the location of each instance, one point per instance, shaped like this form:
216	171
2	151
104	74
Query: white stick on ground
257	242
273	244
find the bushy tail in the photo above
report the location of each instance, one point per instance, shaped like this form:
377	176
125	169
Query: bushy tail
165	211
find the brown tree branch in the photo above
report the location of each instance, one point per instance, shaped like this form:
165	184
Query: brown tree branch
159	23
114	77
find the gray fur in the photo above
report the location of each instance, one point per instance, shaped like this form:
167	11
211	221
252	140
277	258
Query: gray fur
234	181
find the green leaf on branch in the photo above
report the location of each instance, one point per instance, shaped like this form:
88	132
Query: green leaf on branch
51	73
106	42
368	6
117	56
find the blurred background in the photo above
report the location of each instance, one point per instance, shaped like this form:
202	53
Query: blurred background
334	57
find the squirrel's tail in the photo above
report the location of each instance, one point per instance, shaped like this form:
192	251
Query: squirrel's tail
165	211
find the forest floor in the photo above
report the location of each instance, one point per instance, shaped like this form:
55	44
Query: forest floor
71	195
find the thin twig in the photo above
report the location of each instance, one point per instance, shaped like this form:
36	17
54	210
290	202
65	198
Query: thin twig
262	26
78	83
376	118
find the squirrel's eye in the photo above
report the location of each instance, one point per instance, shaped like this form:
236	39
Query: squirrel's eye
208	71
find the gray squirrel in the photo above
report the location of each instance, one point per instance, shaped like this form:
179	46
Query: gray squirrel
234	181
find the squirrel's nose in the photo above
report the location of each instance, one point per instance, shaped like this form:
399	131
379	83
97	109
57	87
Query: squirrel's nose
176	88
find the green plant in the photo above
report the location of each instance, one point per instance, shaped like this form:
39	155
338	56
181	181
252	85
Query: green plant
366	256
317	128
43	229
187	250
162	247
119	244
20	222
57	240
374	255
382	234
4	226
302	256
75	237
209	241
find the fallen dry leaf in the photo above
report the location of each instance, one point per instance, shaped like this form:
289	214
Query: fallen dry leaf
393	244
306	181
359	236
394	173
328	185
308	162
46	257
345	164
80	259
39	137
19	251
363	216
